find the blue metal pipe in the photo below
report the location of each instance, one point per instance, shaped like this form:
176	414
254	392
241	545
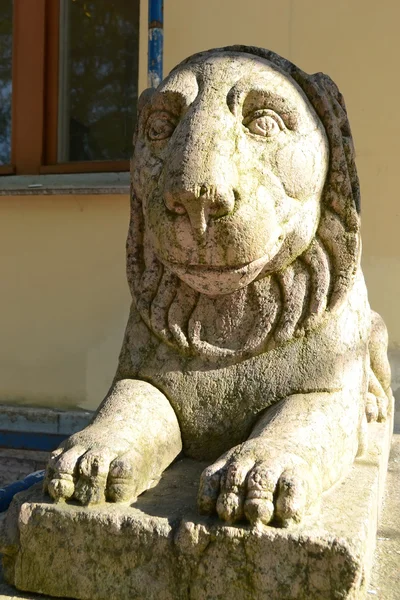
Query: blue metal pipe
156	43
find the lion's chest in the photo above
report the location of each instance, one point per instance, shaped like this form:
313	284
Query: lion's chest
217	403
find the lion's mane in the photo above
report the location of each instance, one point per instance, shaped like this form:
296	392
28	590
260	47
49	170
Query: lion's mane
298	297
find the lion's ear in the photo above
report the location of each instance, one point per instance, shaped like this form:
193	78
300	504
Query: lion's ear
144	98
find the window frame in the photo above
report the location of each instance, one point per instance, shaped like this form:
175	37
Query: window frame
34	115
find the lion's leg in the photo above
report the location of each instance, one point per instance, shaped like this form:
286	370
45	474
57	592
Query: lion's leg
131	441
379	398
298	449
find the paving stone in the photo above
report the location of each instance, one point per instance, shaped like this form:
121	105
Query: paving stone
17	464
385	580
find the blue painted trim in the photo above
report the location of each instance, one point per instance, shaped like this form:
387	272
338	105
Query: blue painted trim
8	492
28	440
156	42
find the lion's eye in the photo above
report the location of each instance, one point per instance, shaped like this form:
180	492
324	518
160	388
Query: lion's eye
160	126
265	123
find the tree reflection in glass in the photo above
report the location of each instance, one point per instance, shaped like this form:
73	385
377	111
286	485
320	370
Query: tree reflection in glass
98	79
6	7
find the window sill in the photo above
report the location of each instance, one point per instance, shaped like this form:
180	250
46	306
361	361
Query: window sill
76	183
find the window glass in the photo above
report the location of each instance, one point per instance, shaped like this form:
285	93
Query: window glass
6	7
97	79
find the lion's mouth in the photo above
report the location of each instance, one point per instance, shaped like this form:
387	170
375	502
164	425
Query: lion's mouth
204	268
214	280
217	280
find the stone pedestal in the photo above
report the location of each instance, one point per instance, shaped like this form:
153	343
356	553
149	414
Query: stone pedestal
161	549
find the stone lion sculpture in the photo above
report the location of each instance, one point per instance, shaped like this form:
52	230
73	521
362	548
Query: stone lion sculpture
250	343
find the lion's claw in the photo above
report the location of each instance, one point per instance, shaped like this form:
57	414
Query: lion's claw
376	408
281	489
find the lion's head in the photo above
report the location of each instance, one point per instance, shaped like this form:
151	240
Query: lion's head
244	203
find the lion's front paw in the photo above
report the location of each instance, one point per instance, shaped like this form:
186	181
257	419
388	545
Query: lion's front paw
93	466
280	488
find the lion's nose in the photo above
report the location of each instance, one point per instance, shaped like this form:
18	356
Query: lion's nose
200	204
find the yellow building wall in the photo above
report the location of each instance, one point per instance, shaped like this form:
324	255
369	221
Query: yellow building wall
64	297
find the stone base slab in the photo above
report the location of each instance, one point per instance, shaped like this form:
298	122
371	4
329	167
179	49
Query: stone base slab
161	549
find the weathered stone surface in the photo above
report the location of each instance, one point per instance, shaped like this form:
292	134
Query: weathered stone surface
161	549
250	322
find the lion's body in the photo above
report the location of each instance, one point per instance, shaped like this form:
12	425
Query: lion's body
250	336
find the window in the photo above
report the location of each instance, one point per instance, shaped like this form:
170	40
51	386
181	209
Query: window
69	101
